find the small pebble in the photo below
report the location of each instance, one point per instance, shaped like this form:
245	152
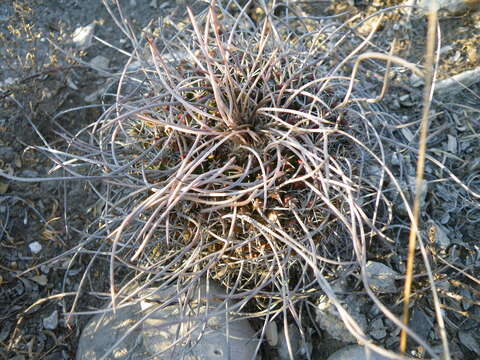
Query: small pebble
82	36
396	159
40	280
381	277
3	190
328	318
446	49
51	321
17	162
35	247
19	288
71	84
271	333
416	81
441	237
377	329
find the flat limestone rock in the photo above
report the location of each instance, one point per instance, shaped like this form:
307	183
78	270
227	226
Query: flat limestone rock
104	330
197	339
197	331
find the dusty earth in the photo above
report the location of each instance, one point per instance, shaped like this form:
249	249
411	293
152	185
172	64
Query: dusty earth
41	221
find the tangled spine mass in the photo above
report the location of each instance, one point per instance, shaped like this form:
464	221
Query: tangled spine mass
242	162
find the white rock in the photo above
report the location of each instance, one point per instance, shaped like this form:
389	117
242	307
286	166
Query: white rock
103	331
35	247
446	49
82	36
381	278
200	335
162	328
457	83
271	333
51	321
355	352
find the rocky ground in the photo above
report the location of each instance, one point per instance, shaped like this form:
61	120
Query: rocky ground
45	50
